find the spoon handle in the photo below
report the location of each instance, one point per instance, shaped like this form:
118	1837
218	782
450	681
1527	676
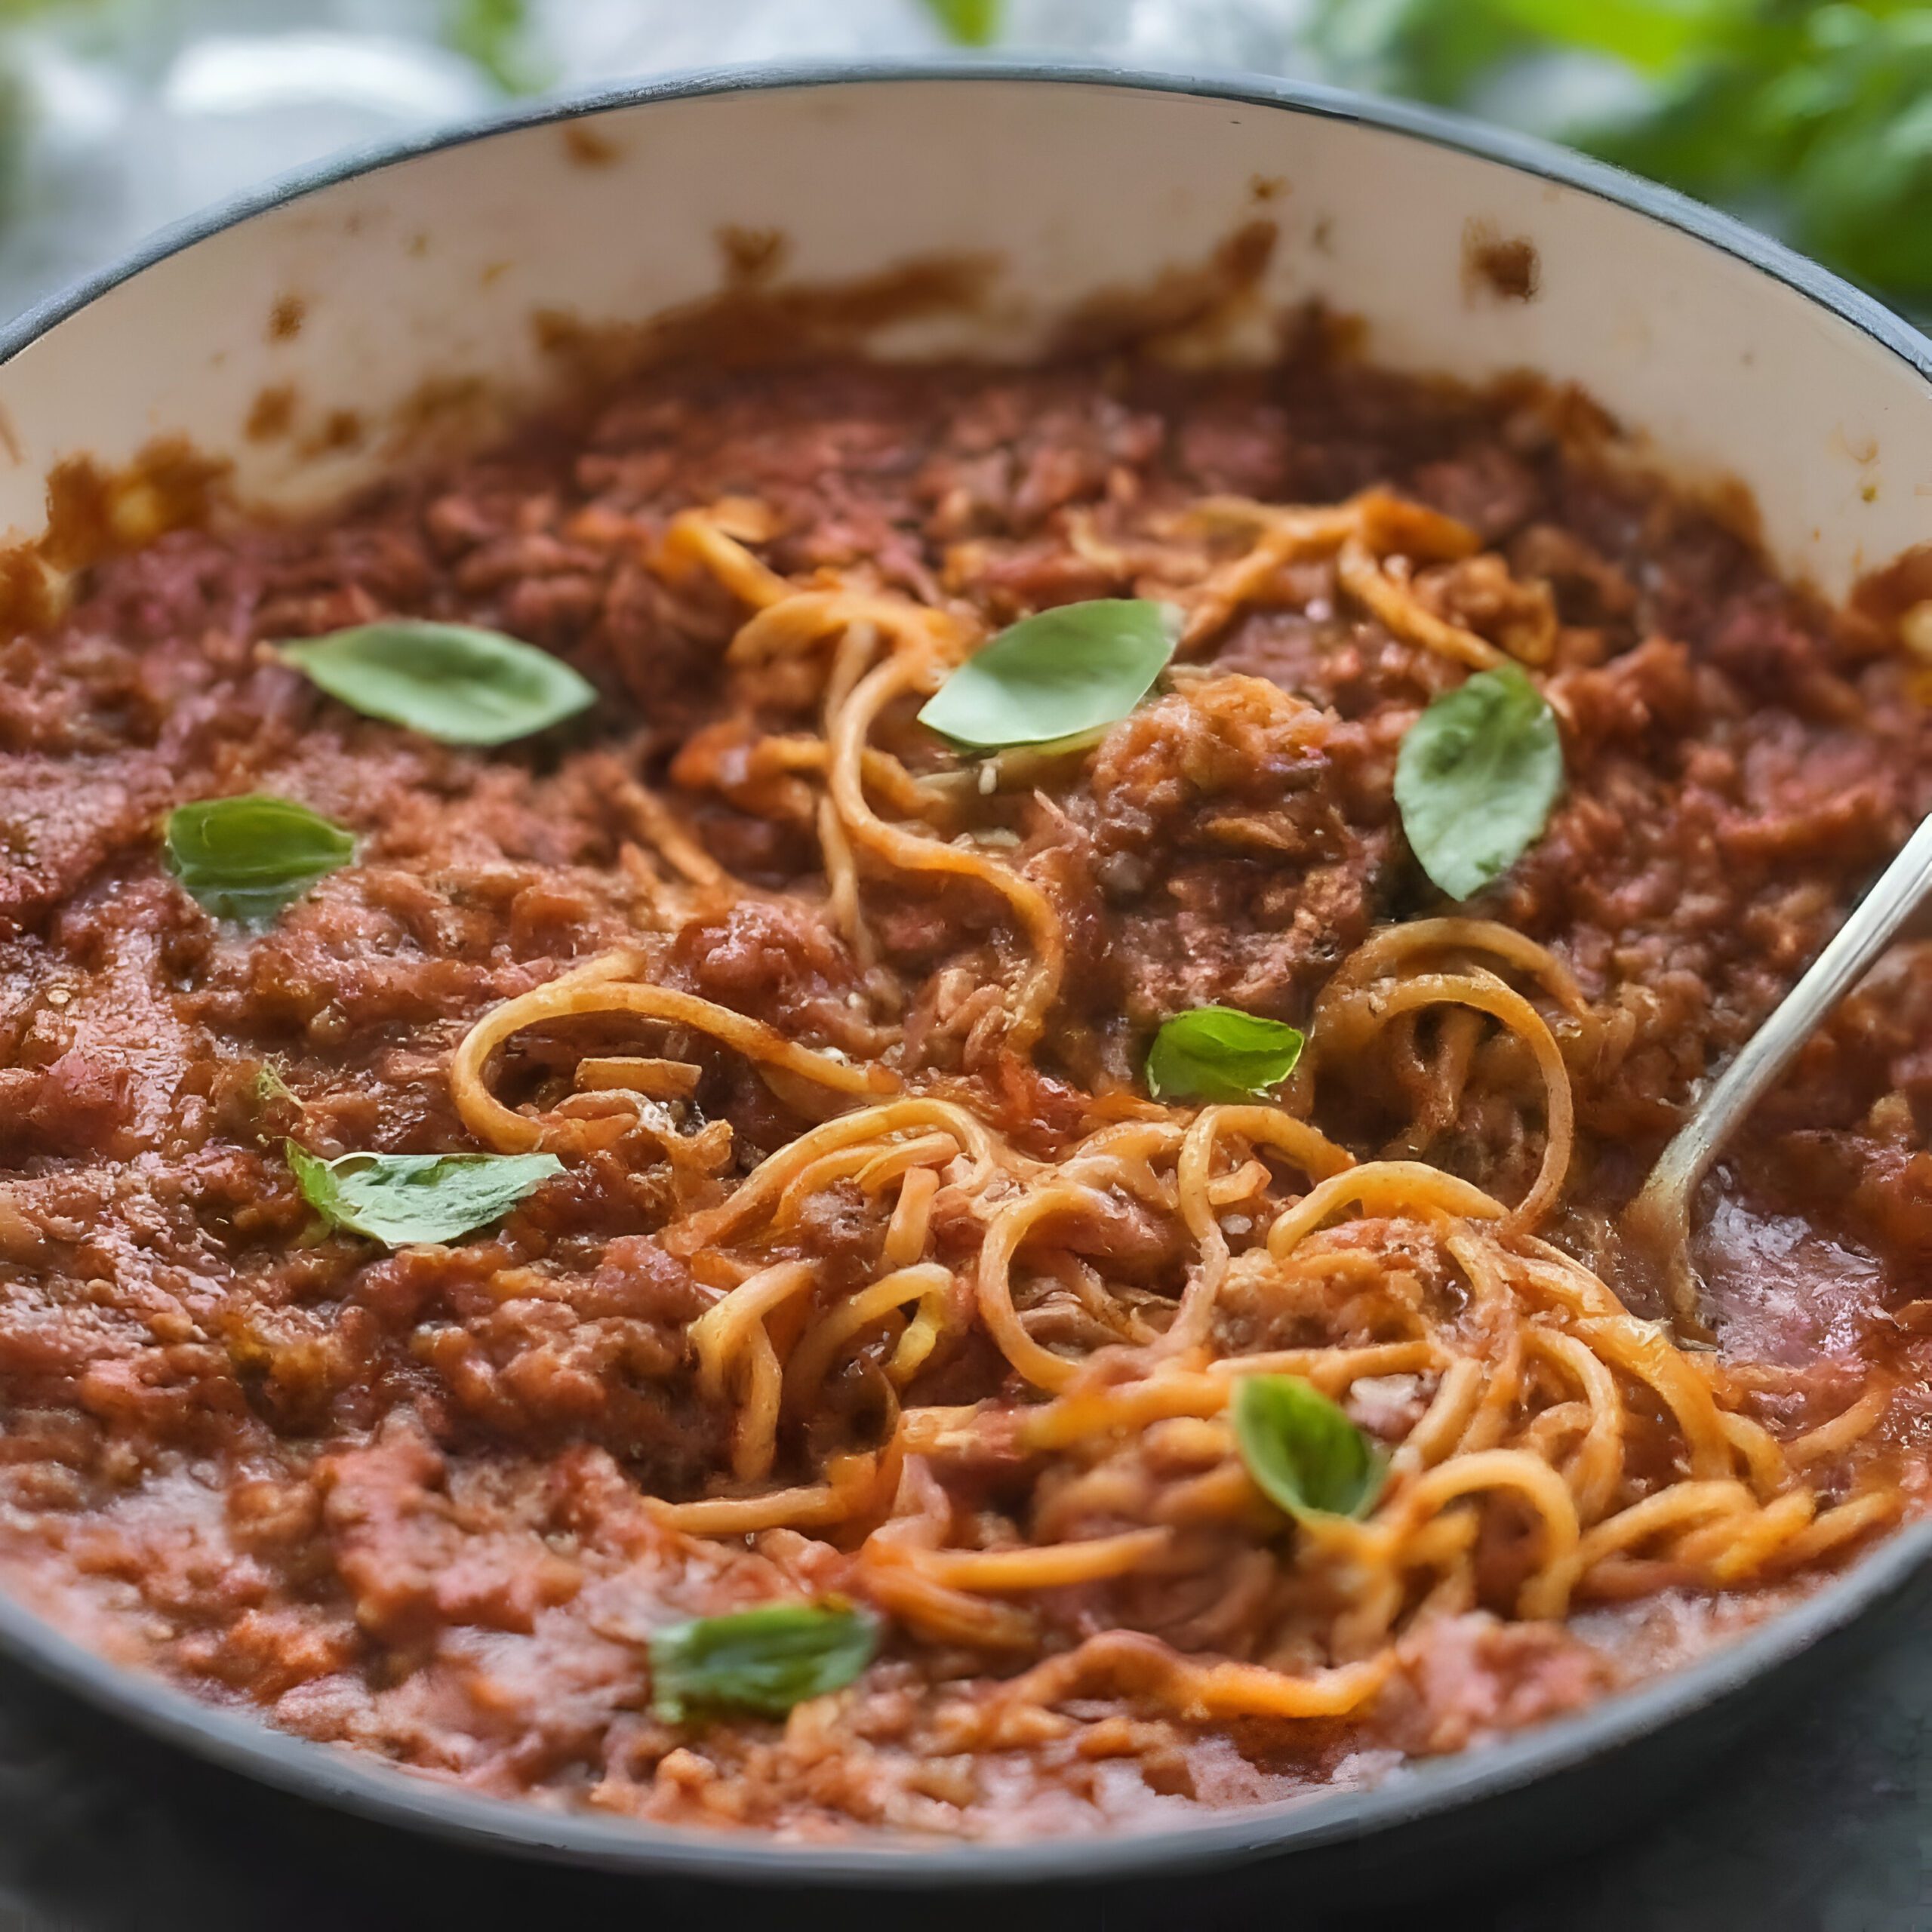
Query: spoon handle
1873	924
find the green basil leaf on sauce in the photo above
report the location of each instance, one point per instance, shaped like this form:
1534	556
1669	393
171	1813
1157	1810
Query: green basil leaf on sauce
450	681
1302	1452
1219	1053
1476	779
1058	674
247	858
764	1660
400	1198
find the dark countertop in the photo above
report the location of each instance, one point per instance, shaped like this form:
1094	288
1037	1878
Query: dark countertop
1822	1824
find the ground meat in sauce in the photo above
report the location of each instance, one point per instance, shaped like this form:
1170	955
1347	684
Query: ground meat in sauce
397	1501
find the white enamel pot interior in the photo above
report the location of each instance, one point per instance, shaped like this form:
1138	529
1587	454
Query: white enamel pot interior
368	285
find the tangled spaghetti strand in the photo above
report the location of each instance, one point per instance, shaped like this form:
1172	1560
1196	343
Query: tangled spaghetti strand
1535	1409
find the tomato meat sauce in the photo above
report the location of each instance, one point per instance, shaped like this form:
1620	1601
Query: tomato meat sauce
855	1270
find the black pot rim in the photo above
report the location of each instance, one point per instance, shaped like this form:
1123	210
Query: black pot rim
354	1782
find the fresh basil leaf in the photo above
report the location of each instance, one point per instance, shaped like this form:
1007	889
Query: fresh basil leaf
1219	1053
450	681
400	1198
247	858
1057	674
1302	1452
1476	779
764	1660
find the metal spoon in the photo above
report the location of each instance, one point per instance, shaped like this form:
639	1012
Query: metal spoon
1659	1220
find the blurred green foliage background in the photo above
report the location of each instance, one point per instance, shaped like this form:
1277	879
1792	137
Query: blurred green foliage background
1814	120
